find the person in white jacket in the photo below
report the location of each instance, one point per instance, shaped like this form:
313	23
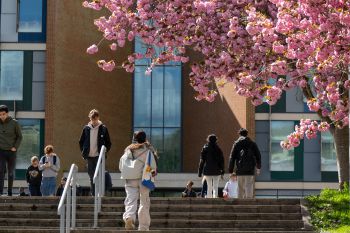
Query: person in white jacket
230	189
137	152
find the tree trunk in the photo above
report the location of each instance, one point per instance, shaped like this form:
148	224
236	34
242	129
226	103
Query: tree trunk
341	141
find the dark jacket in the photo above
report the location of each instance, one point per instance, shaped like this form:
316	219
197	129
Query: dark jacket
189	193
212	161
33	175
10	134
244	143
59	190
102	139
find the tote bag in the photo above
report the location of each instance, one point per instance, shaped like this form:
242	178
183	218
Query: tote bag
147	177
131	167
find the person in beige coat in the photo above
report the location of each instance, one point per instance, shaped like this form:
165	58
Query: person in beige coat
134	189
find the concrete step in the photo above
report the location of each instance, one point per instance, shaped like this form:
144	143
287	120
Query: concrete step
121	230
162	208
156	200
163	223
158	215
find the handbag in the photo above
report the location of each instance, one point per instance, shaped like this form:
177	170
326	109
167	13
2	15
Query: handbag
131	167
147	177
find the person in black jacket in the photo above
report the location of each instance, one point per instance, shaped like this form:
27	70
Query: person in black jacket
33	177
93	137
211	165
246	158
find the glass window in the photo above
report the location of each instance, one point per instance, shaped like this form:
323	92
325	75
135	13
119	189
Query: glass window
281	160
30	143
30	16
172	97
142	98
328	153
11	76
157	109
157	96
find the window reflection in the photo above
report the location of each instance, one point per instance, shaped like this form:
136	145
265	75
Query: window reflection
11	76
142	98
328	153
157	108
30	16
30	144
172	97
281	160
157	96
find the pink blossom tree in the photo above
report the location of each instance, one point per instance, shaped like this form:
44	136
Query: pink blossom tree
263	47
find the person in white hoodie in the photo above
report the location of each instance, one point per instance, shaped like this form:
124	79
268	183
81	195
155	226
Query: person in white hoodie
93	137
230	189
138	150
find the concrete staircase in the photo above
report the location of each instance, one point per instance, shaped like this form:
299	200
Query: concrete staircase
169	215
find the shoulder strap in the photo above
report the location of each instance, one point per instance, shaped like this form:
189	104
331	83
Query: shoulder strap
54	160
43	158
139	154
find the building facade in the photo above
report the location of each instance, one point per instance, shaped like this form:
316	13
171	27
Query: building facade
50	85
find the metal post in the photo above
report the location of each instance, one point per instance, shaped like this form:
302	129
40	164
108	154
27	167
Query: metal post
103	169
74	199
68	209
62	219
95	206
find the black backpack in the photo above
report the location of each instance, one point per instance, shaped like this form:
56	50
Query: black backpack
246	160
54	159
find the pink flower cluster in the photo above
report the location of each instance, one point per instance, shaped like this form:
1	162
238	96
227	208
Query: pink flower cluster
306	127
263	47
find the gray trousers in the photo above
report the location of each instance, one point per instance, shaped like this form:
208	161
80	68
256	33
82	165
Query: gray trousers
246	186
135	190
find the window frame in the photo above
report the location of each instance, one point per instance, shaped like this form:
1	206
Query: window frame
26	103
33	37
163	127
298	173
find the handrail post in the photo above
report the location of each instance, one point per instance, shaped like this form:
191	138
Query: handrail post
67	211
98	180
62	219
74	199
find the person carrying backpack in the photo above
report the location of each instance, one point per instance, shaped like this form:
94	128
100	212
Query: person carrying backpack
49	165
246	158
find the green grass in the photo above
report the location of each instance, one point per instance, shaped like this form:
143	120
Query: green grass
330	210
344	229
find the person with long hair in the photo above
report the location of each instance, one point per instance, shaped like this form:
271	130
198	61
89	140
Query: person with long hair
211	165
138	150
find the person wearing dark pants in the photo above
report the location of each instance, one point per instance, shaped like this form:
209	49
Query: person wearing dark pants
34	177
93	137
10	140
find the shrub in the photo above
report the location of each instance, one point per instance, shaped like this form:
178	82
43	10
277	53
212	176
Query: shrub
330	209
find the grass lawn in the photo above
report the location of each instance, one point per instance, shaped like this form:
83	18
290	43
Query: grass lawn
330	211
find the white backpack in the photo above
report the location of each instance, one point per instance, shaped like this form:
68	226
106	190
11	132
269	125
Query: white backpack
131	167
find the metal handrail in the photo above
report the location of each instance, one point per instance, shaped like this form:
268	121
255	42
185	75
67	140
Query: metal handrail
67	211
99	181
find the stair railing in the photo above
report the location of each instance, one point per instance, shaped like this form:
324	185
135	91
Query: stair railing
99	181
67	211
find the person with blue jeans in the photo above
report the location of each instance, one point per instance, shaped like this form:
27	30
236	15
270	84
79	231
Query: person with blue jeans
50	165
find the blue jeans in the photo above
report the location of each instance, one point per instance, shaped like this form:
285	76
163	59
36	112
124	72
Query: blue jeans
48	186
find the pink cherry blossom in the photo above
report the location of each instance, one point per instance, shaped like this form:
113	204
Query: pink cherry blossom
92	49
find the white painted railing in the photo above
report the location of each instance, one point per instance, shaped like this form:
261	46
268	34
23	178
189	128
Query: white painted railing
67	206
99	181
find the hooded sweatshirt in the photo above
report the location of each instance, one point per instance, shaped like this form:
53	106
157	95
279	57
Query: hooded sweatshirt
93	139
49	171
10	134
